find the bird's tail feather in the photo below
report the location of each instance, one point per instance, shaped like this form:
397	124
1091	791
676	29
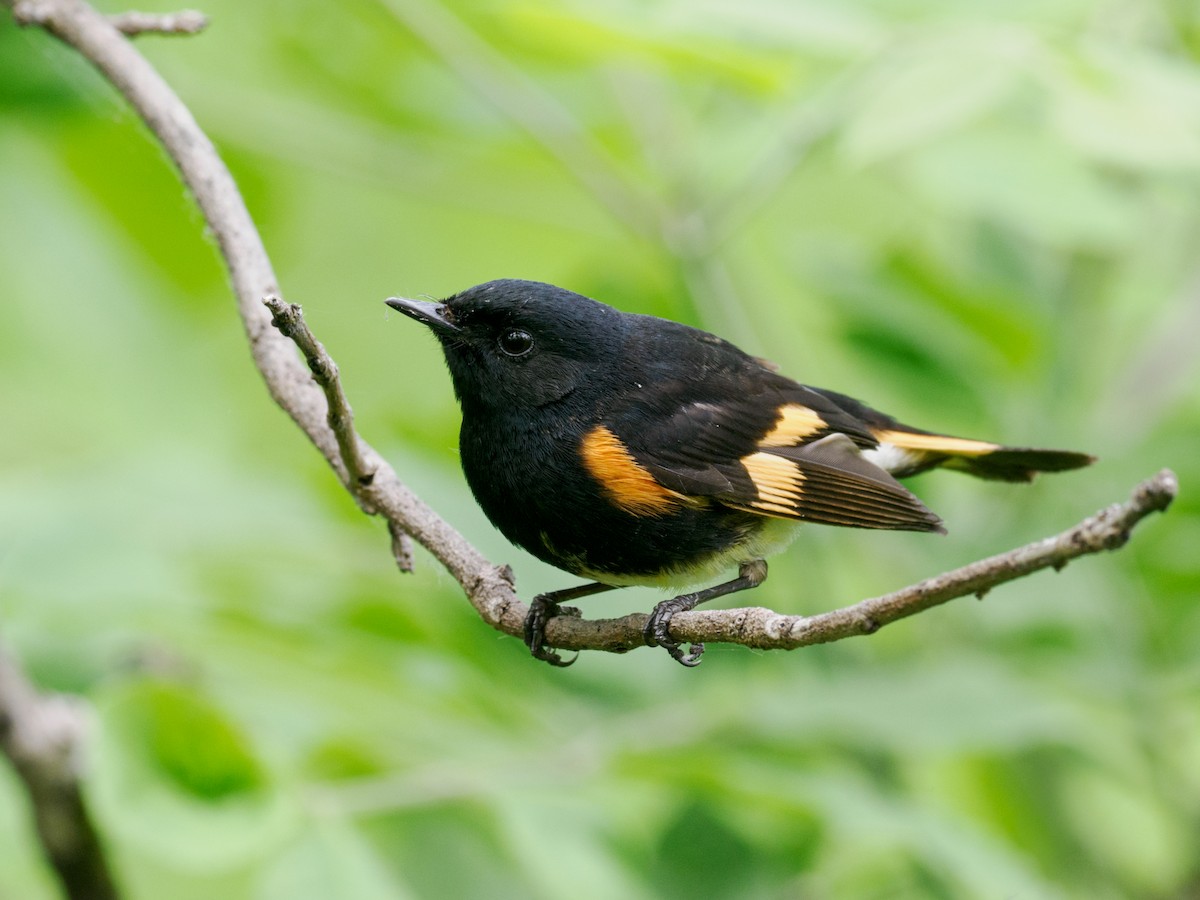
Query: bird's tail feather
910	452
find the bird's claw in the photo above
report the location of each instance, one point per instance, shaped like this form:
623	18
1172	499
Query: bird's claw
658	632
541	611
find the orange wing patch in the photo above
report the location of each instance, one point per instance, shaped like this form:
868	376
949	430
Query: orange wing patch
935	443
629	485
795	423
779	483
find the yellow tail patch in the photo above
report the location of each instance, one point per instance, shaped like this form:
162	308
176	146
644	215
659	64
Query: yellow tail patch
935	443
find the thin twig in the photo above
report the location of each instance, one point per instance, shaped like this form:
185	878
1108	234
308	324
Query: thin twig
130	24
402	548
41	735
186	21
289	319
359	471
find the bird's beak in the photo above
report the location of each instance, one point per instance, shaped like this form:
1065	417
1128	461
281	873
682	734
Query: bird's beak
430	313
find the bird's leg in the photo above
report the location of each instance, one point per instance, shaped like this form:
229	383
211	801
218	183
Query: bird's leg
658	629
544	608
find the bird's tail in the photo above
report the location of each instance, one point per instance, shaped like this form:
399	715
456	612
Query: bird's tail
903	451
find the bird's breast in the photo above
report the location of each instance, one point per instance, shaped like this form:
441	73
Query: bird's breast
571	494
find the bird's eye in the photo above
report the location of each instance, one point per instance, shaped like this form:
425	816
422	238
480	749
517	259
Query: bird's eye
516	342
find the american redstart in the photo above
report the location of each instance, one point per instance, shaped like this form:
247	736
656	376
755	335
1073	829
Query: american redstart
629	449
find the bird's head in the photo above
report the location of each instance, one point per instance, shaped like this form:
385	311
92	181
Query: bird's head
512	343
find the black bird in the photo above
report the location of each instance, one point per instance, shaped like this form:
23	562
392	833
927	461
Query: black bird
629	449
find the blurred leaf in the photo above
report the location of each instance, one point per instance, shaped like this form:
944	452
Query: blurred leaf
878	831
934	86
44	81
329	860
906	360
1006	323
1127	831
748	44
1028	184
1128	108
951	705
175	778
549	838
447	850
699	848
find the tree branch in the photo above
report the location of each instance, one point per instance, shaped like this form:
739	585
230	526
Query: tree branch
764	629
374	483
41	736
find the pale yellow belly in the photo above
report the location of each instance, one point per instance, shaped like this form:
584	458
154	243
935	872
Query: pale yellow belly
773	537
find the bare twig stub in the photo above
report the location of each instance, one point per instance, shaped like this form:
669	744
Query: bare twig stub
358	470
288	319
186	21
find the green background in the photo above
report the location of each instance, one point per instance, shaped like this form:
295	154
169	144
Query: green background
982	217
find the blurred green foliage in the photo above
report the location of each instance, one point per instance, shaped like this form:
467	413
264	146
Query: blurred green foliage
983	217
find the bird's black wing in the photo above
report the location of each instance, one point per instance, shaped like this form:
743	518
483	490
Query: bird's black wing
729	430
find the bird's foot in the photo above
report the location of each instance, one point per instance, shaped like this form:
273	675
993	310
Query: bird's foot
658	630
541	611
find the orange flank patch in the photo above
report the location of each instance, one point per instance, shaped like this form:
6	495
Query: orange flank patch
935	443
778	481
629	485
795	423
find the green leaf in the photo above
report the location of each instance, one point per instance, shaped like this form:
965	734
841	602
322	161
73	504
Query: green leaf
1025	182
752	44
1128	108
1126	826
177	780
933	86
331	859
